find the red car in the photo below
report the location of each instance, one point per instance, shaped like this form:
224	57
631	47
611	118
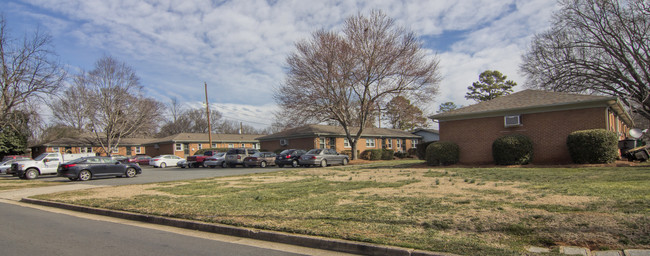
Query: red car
140	159
261	159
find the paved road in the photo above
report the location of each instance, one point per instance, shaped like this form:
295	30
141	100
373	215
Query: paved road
150	174
29	231
36	230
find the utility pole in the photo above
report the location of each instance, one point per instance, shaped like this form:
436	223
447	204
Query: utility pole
207	110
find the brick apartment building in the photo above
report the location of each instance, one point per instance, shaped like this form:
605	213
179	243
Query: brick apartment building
324	136
546	117
186	144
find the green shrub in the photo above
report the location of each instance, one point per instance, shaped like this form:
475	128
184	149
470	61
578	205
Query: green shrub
375	154
595	146
512	149
421	150
365	155
412	152
401	155
387	154
442	153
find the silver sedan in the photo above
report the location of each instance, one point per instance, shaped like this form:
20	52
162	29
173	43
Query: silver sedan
323	157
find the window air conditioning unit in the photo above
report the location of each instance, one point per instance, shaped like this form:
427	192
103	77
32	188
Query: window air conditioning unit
512	121
284	142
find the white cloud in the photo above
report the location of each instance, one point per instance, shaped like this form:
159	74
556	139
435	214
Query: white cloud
239	47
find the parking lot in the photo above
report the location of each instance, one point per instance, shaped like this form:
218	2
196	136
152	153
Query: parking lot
151	174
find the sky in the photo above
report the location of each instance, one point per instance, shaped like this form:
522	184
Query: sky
239	48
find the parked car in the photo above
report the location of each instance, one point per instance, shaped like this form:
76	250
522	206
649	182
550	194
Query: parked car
10	157
198	159
140	159
182	163
86	168
6	165
120	158
289	157
323	157
216	160
261	159
235	156
163	161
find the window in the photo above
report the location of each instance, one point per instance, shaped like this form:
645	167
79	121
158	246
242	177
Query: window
414	143
138	150
85	149
214	145
389	143
346	143
256	145
321	143
399	143
115	150
200	146
231	145
370	143
55	149
179	147
243	145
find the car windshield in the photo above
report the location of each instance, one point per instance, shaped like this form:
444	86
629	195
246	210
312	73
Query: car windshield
315	151
80	160
220	154
40	157
258	154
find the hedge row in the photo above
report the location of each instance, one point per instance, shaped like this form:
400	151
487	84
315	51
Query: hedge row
596	146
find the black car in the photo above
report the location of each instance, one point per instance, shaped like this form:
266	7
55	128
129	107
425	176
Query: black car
86	168
289	157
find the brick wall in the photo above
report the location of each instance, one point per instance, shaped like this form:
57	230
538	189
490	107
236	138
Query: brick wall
548	131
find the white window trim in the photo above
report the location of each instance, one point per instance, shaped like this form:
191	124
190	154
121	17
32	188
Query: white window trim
138	150
346	143
200	146
55	149
230	145
179	146
370	143
389	143
115	150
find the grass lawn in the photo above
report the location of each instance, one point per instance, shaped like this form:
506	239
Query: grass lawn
472	211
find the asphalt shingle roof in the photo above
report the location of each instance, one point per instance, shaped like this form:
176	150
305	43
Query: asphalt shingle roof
328	130
523	100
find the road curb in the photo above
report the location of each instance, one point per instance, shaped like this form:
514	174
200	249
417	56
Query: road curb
323	243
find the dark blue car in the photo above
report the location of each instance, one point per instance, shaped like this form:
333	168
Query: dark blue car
86	168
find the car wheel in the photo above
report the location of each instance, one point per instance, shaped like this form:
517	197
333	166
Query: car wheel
31	174
323	163
163	165
294	163
85	175
130	173
224	165
263	164
345	161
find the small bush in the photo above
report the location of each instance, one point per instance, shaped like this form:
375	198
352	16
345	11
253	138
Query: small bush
412	152
597	146
365	155
512	149
387	154
421	150
401	155
442	153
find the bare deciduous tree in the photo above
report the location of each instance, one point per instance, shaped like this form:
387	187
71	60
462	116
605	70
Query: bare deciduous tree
113	103
597	46
27	70
403	115
342	77
67	111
